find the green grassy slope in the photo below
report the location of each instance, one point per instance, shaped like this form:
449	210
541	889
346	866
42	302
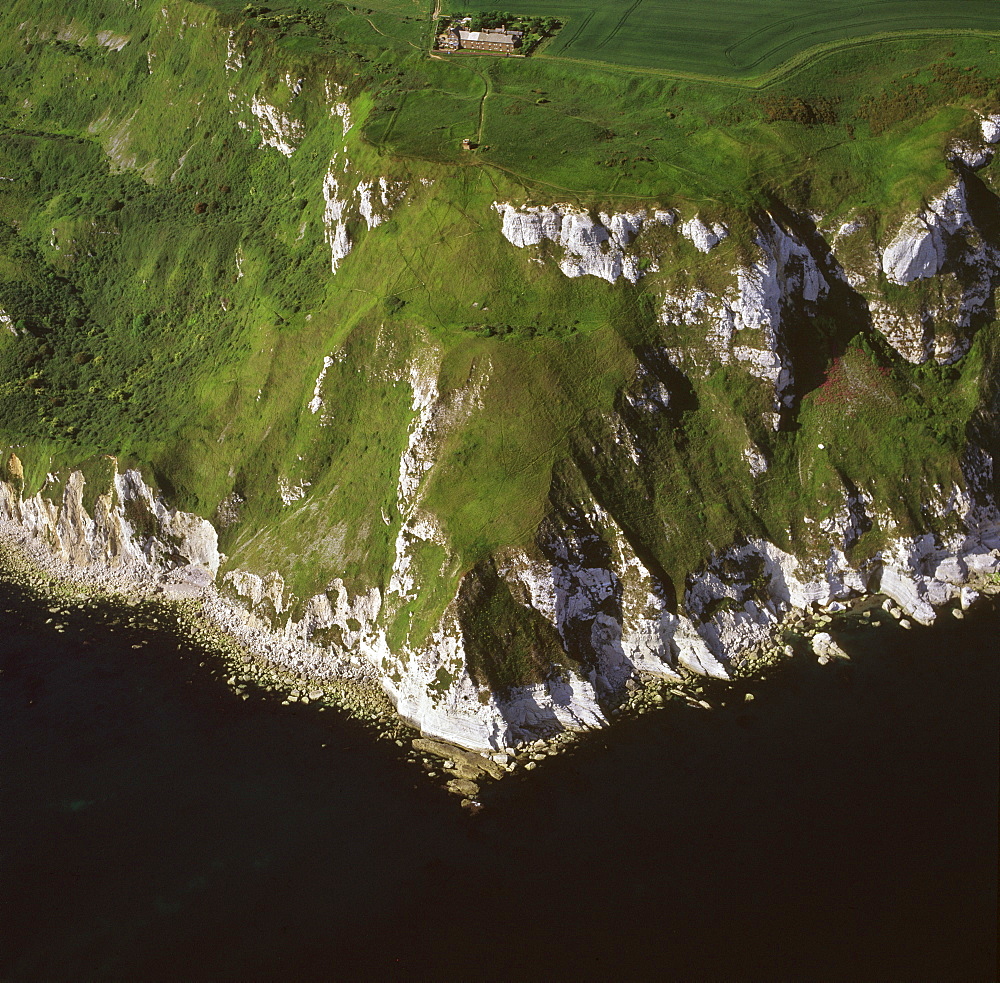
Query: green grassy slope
867	124
171	289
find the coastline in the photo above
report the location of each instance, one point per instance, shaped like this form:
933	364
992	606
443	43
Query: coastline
246	654
124	772
251	657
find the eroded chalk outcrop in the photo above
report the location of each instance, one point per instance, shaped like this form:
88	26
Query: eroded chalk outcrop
615	618
947	259
129	533
919	248
347	201
349	196
704	237
587	246
743	323
946	255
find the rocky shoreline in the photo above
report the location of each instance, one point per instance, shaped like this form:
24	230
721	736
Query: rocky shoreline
752	606
247	656
254	660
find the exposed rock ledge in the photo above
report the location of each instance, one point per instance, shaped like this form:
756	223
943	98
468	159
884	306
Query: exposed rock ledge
946	254
595	248
919	248
586	581
132	535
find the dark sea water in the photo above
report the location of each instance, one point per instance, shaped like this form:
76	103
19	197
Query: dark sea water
841	826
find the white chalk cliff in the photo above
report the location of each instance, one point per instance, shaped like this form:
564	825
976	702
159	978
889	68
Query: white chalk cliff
132	532
583	577
939	252
950	271
743	324
584	582
589	247
618	619
919	248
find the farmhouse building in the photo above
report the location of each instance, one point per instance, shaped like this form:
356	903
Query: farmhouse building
505	42
448	40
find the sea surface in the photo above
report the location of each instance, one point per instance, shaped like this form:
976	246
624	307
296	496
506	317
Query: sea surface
154	826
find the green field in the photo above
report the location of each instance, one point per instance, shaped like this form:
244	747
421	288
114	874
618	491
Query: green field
737	38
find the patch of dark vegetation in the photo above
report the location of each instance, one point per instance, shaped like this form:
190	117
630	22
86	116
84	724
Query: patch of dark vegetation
43	301
516	332
884	110
330	637
906	101
507	644
965	81
297	20
393	305
794	109
142	521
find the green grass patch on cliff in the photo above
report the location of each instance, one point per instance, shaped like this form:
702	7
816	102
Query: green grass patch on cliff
892	430
507	644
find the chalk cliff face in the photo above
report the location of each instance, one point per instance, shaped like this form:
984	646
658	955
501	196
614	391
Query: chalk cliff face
129	534
581	603
582	577
584	584
605	247
948	263
744	323
942	248
919	248
612	614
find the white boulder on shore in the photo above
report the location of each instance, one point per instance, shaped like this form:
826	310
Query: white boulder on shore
825	648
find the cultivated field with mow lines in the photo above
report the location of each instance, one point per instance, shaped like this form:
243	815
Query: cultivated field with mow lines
737	37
